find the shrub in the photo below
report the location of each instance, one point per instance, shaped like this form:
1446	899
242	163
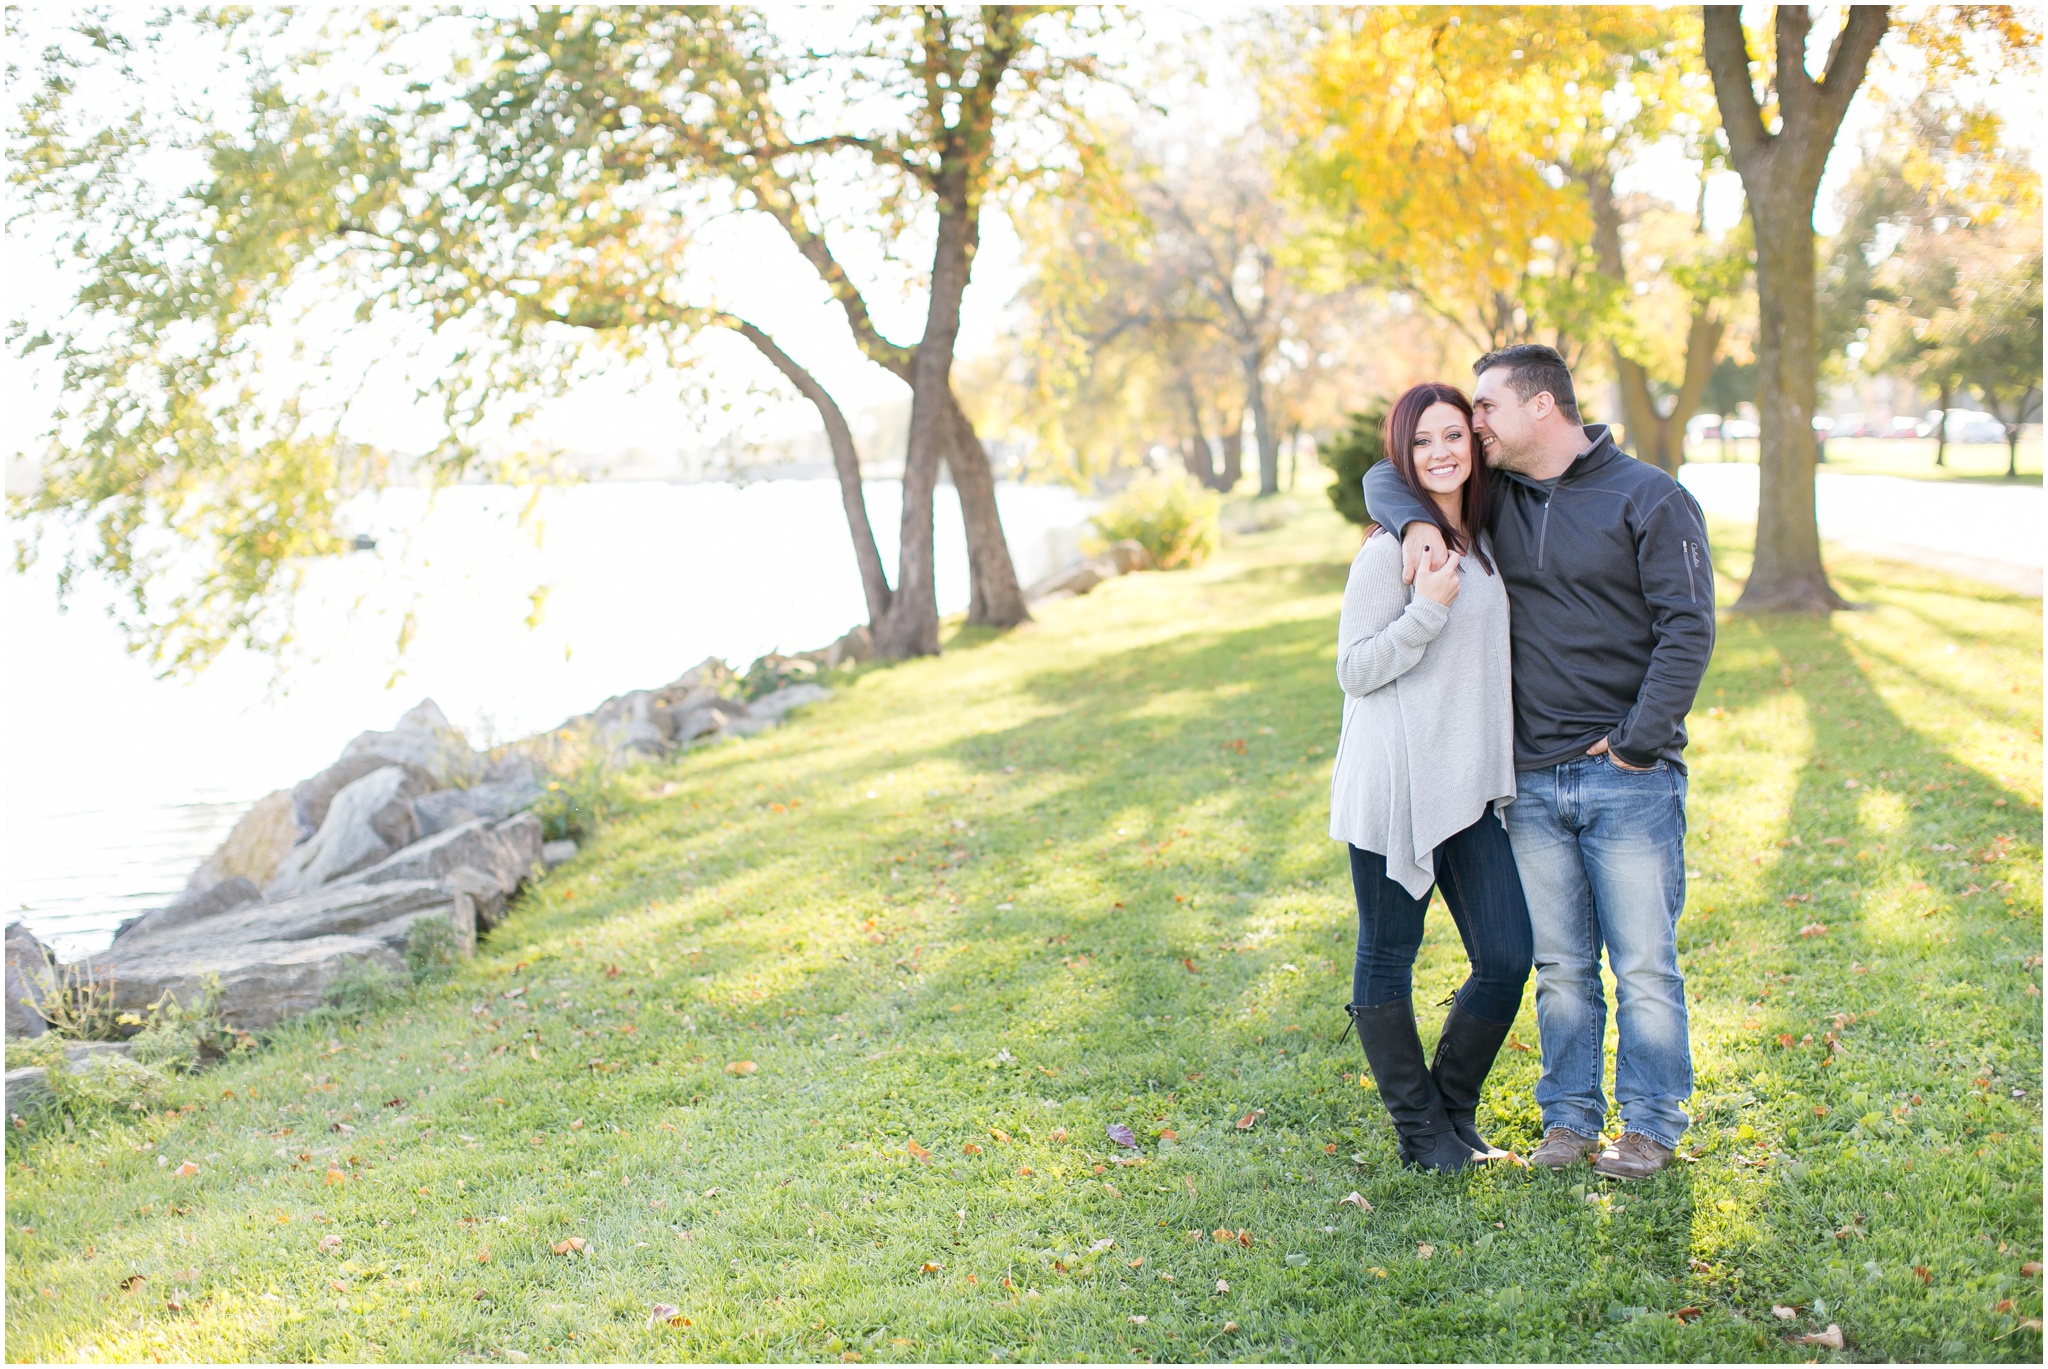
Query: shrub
1351	456
1170	516
432	949
363	986
577	806
78	1004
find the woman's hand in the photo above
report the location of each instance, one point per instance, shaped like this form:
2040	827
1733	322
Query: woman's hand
1440	584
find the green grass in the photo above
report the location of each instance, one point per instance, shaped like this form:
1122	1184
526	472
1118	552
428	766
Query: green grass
1078	875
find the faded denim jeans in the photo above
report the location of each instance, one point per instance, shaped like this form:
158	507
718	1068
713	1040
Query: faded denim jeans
1602	856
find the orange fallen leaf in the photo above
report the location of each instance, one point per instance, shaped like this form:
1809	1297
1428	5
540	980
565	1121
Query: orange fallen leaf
330	1242
1785	1039
1133	1264
186	1170
1190	965
1249	1120
1921	1273
337	1285
971	1148
1058	1134
1001	1135
1244	1238
1168	1134
1830	1338
335	1176
483	1257
1687	1314
929	1267
923	1156
1224	1236
741	1067
1515	1043
1024	1171
133	1282
1814	929
2032	1269
570	1246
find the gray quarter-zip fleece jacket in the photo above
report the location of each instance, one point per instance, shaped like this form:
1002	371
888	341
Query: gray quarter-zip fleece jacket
1610	598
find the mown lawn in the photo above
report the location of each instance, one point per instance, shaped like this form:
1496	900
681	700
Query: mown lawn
817	1044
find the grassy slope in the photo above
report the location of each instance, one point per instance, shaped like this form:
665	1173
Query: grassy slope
967	894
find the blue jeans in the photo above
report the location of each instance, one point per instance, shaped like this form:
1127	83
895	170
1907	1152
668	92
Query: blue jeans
1602	856
1476	872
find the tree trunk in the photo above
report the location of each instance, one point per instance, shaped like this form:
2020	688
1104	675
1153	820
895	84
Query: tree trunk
1660	438
1787	575
1781	175
1948	397
845	463
1262	424
911	626
995	599
1195	452
1233	457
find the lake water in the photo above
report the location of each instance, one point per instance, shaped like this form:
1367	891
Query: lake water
118	783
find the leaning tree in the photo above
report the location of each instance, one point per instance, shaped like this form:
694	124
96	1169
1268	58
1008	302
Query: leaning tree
540	185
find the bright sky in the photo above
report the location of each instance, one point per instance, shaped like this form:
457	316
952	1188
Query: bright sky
749	266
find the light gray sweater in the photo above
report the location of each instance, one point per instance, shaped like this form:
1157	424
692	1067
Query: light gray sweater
1429	727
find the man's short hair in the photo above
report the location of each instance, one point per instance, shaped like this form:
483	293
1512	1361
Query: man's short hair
1533	369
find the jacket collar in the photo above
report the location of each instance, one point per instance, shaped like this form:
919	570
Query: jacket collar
1601	452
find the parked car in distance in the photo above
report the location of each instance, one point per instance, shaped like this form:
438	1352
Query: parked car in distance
1739	429
1701	427
1966	425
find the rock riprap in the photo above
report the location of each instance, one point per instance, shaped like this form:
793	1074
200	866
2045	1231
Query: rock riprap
406	827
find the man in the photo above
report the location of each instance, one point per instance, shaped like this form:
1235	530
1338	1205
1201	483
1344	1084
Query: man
1611	626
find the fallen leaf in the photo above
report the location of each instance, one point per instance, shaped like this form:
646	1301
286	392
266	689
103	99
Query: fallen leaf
1137	1319
1376	1271
971	1149
133	1282
2003	1305
1687	1314
1297	1261
173	1305
1920	1272
1059	1134
1003	1137
1424	1250
483	1256
1190	965
337	1285
929	1267
1357	1200
330	1242
1024	1171
1134	1264
186	1170
1221	1288
1244	1238
1224	1235
741	1067
1783	1313
1248	1121
1122	1135
335	1176
1785	1039
1830	1338
1100	1246
1814	929
1515	1043
662	1313
923	1156
1168	1134
2032	1269
568	1247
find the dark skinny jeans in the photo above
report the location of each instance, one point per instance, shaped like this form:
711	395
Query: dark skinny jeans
1476	871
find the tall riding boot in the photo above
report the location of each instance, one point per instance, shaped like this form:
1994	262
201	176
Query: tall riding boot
1394	1052
1464	1054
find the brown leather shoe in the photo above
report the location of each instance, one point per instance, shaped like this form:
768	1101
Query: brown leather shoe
1563	1147
1634	1156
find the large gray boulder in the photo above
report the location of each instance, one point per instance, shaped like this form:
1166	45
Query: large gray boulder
785	699
475	844
521	835
369	819
328	911
423	741
254	847
191	907
28	965
492	802
262	982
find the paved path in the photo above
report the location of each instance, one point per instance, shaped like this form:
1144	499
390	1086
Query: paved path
1988	532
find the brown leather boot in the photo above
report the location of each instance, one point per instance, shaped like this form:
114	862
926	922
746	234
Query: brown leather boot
1634	1156
1563	1147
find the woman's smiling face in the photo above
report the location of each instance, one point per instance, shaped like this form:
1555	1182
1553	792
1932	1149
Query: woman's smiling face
1443	448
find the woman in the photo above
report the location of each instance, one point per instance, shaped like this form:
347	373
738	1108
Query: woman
1424	763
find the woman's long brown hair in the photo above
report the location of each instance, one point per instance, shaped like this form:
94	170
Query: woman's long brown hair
1476	503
